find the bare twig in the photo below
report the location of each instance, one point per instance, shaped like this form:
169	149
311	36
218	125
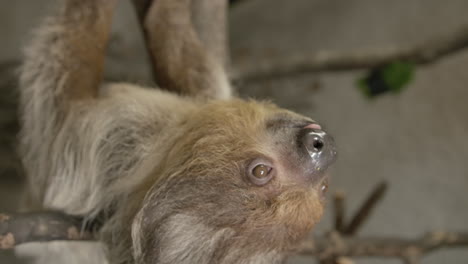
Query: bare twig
424	52
364	211
336	245
21	228
16	229
339	210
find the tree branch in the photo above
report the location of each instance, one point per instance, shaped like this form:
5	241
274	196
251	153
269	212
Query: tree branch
366	209
19	228
422	53
336	245
339	210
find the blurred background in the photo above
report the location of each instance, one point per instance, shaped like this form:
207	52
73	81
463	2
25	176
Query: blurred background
416	140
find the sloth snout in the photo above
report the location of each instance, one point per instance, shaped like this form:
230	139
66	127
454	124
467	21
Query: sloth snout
319	145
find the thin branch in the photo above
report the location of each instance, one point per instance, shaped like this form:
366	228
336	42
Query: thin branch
336	245
21	228
339	210
366	209
424	52
16	229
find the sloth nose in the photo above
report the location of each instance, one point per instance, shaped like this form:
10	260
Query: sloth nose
319	145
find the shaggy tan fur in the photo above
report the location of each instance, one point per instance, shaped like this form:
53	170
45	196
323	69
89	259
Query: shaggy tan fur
166	173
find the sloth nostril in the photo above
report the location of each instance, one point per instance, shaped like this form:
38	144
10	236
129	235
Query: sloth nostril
317	143
319	148
314	140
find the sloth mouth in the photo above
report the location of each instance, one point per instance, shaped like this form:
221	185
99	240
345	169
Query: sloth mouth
323	187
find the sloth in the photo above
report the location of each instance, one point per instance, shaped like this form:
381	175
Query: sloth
183	174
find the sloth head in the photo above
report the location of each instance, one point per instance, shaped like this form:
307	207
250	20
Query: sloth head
241	174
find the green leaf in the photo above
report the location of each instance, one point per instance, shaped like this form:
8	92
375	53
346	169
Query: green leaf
364	87
392	77
397	75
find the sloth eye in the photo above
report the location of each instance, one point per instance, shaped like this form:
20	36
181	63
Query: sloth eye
260	172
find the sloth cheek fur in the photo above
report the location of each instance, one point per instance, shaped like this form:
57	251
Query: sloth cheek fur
205	190
187	175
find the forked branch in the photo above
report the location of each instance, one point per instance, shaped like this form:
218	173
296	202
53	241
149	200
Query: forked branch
19	228
335	245
365	210
16	229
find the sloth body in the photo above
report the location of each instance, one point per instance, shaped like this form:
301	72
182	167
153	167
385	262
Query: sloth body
174	177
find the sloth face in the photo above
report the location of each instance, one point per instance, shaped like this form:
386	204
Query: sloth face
258	146
299	154
248	167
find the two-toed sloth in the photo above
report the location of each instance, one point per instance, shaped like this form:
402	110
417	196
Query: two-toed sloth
184	175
